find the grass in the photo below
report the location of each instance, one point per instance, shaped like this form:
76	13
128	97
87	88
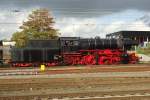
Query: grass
145	51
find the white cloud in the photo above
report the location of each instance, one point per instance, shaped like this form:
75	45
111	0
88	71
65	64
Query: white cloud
78	27
137	25
100	26
83	27
10	22
113	27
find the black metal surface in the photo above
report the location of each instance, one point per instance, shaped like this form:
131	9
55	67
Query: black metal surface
33	54
128	43
16	55
1	54
98	44
43	43
1	43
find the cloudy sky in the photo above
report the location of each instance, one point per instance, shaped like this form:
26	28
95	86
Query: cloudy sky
85	18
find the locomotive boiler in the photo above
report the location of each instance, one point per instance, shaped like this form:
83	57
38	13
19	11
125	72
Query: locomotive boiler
74	51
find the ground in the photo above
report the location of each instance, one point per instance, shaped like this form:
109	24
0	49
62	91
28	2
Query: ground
122	82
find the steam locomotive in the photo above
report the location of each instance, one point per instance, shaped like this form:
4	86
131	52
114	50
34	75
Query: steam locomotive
74	51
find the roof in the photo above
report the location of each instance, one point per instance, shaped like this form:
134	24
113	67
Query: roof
131	33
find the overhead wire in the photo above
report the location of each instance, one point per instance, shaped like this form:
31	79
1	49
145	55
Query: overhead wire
81	13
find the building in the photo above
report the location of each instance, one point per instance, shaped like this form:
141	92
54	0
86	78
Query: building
5	54
140	36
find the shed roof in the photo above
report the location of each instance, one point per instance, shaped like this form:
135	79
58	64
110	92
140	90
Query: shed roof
130	33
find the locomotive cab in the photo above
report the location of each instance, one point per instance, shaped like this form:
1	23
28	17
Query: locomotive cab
69	44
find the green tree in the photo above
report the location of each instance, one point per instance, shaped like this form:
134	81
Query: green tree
38	26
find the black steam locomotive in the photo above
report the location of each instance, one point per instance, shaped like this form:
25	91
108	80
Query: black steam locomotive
74	51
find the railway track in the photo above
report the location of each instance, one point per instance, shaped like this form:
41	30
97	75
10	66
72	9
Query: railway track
69	70
78	66
14	72
18	73
75	88
134	95
81	83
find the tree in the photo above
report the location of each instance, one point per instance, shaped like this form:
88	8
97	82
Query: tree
39	26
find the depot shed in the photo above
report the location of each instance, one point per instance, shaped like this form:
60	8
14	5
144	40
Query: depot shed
140	36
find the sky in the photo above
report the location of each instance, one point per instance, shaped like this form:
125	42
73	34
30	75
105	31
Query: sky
84	18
